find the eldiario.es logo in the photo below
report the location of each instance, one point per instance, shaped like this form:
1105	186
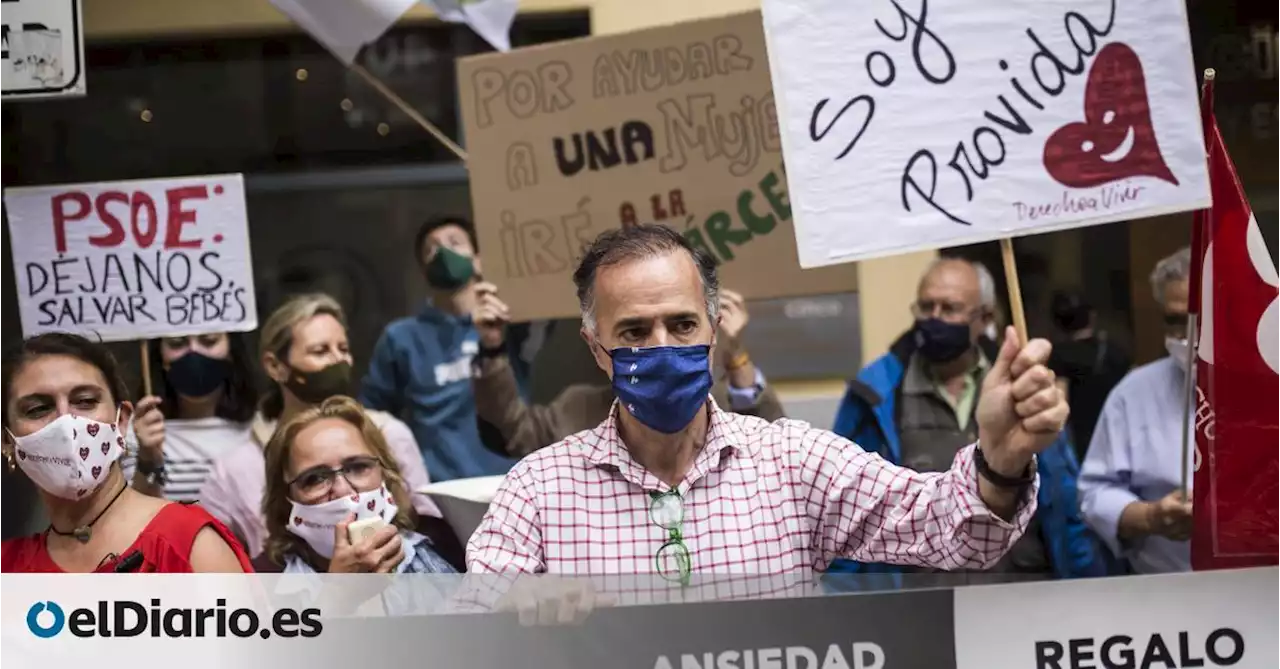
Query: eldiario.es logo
123	618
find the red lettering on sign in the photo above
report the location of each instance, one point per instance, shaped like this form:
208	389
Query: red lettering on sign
142	202
61	215
179	217
115	229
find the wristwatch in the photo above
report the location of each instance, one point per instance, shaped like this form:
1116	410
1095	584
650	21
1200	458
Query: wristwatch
1000	480
153	471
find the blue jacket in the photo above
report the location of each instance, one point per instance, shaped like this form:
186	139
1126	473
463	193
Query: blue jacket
867	417
421	371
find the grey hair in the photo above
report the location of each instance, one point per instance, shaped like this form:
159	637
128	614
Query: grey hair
634	243
1176	267
986	282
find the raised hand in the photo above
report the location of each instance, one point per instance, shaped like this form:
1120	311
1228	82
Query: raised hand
1021	410
148	427
733	320
490	315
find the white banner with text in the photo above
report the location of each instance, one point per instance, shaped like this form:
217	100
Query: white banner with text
127	260
909	125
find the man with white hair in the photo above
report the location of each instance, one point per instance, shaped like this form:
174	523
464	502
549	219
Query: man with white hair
1130	480
670	483
915	406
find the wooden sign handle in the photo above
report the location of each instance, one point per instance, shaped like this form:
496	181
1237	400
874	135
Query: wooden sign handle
410	112
146	368
1015	289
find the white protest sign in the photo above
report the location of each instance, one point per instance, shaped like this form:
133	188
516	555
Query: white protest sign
42	54
908	124
126	260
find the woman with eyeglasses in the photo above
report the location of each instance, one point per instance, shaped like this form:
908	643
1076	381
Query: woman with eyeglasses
204	409
65	413
327	468
305	352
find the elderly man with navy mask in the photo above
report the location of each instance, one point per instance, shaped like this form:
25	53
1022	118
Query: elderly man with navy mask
917	406
671	484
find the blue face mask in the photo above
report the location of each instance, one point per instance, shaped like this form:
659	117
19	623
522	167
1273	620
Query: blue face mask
662	386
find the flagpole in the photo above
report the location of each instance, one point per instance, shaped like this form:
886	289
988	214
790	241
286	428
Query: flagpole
409	111
1199	221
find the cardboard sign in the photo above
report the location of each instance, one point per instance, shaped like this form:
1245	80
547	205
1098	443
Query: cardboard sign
133	259
671	125
913	125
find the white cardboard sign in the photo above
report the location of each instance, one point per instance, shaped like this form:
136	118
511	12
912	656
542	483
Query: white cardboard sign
909	124
127	260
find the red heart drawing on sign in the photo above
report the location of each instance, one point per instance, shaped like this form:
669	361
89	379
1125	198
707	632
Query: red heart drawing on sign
92	429
84	452
1116	140
106	447
372	503
96	471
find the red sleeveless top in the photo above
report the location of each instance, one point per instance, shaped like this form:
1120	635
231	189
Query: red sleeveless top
165	544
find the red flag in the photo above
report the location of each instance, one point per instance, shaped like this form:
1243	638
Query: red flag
1237	478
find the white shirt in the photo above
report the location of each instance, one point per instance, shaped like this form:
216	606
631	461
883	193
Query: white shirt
190	447
1136	456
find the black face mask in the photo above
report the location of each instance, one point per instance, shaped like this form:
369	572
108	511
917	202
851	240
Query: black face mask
318	386
940	341
197	375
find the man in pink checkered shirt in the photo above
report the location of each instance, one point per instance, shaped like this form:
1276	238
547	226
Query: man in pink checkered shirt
671	484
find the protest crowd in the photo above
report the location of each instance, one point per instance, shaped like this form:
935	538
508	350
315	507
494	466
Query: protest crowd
267	473
967	450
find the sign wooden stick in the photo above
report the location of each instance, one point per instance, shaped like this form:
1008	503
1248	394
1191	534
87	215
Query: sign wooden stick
410	112
1015	289
146	368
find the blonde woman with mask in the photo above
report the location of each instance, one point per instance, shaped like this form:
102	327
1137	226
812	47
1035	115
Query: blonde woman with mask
304	351
326	468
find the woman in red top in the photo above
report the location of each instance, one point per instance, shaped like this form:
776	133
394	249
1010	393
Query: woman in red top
64	419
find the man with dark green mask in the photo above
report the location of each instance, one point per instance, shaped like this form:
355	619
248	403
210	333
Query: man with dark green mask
421	367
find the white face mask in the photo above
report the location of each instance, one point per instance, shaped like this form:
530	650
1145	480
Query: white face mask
1177	348
69	457
315	523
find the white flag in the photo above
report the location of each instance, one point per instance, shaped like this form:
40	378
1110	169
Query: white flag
345	26
491	19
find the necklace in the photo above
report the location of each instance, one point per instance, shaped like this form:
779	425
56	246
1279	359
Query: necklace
84	532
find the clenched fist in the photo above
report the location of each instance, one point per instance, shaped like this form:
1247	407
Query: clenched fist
1021	410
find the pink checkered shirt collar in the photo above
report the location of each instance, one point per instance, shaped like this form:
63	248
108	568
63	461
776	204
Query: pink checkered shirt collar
605	449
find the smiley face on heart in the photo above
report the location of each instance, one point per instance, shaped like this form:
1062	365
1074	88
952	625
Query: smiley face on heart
96	471
1116	140
297	520
372	503
22	455
106	447
92	429
84	452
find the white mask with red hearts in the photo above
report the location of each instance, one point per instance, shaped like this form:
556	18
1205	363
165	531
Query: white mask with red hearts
69	457
315	523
